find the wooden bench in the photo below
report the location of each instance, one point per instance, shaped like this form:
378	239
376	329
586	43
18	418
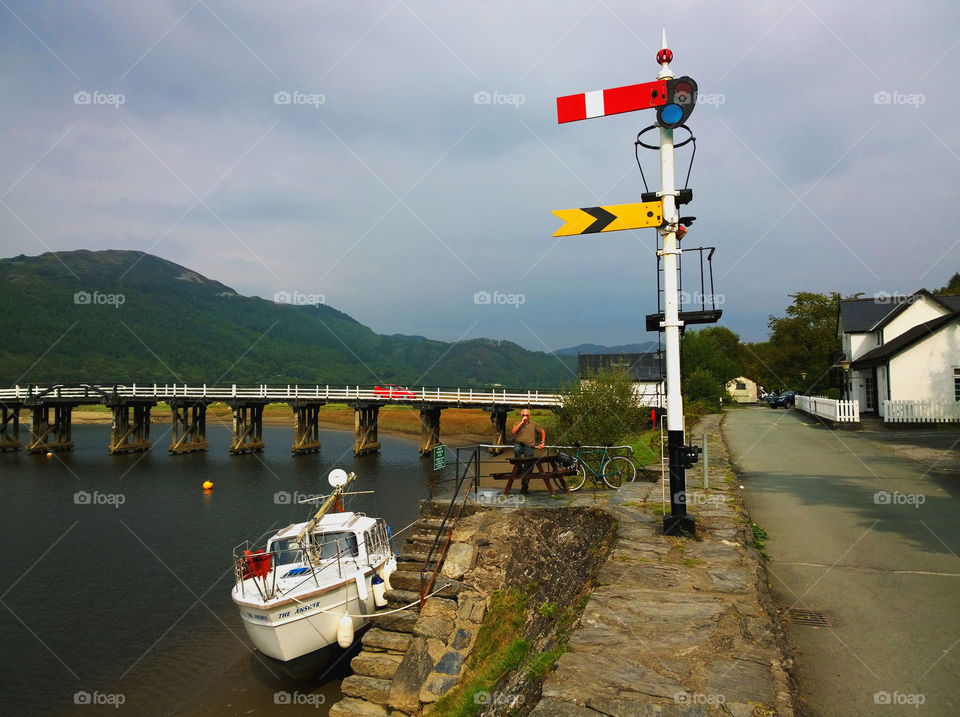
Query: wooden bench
544	467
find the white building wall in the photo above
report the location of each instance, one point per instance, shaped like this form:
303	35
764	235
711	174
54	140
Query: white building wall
925	370
746	395
919	312
649	393
860	344
882	388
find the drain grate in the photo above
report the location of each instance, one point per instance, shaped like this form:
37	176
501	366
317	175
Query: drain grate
808	617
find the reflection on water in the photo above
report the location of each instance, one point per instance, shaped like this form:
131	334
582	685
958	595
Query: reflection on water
117	569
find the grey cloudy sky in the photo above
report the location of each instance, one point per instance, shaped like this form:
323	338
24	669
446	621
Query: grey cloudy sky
828	151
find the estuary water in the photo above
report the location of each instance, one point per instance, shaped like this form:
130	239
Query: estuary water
117	570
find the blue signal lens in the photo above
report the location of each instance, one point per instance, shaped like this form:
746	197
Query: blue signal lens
671	114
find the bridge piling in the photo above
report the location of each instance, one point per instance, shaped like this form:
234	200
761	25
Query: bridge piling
247	426
498	417
46	436
10	426
127	436
366	438
188	426
429	429
306	438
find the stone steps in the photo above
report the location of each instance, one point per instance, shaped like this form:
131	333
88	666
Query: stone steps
378	639
405	580
398	598
384	645
411	566
367	688
351	707
399	621
381	665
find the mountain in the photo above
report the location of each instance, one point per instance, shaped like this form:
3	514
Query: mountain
640	348
125	316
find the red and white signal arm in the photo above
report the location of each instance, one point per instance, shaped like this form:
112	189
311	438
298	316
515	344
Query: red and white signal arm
673	98
601	103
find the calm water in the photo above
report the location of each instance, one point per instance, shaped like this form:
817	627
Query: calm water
133	599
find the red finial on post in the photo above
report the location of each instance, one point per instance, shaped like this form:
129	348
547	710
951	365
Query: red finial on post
664	57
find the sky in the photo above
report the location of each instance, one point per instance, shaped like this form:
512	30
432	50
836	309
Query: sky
400	160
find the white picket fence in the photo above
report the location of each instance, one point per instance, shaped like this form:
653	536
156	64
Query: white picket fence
830	408
921	411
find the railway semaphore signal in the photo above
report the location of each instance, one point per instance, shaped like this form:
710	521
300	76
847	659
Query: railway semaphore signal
674	98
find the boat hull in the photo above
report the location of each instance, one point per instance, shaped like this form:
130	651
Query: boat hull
294	629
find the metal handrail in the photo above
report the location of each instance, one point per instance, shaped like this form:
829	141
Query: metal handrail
474	461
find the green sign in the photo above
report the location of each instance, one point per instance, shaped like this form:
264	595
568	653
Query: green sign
439	457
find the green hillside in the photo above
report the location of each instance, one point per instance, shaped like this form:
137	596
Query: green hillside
160	322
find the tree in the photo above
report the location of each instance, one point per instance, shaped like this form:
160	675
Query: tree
599	409
710	358
802	343
951	289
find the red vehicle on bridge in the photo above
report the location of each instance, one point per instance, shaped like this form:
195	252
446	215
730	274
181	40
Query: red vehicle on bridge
393	391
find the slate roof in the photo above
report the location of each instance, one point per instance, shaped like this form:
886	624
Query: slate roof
918	333
870	314
641	367
861	315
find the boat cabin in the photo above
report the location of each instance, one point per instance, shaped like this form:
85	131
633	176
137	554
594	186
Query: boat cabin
336	536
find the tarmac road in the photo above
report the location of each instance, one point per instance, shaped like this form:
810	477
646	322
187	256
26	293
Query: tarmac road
869	538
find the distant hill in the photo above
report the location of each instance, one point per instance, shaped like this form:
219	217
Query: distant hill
129	316
597	349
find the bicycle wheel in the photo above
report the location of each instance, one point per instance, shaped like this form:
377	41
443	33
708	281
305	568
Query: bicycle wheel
576	481
630	471
616	470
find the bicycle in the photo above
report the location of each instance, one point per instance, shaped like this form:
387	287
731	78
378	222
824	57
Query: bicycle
614	470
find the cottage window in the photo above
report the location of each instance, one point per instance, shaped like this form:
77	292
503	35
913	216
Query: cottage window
741	386
956	384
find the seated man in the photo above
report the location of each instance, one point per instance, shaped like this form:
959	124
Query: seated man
527	435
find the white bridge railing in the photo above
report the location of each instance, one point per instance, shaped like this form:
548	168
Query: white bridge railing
454	396
830	408
921	411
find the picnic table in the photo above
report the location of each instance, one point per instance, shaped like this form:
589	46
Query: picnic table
544	467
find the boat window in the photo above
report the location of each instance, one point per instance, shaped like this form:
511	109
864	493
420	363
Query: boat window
288	551
333	545
376	539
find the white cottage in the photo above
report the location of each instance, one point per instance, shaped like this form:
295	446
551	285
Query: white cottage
900	348
742	390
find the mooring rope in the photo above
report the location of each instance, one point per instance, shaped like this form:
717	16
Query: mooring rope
379	614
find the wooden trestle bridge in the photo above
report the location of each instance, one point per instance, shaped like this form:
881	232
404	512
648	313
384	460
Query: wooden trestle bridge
51	408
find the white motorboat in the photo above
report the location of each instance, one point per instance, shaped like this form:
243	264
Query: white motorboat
313	585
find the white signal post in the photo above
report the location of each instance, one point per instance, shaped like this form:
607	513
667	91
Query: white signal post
678	521
674	100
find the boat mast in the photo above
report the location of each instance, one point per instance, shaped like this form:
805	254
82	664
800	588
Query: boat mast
337	491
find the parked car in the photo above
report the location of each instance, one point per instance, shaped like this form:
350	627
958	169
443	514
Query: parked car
783	400
393	391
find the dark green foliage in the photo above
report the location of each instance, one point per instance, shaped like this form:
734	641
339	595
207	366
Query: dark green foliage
710	358
951	289
801	343
600	409
175	326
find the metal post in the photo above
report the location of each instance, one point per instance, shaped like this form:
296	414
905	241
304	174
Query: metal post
706	464
678	522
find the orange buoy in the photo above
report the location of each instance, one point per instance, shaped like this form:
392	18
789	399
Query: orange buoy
208	485
49	454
